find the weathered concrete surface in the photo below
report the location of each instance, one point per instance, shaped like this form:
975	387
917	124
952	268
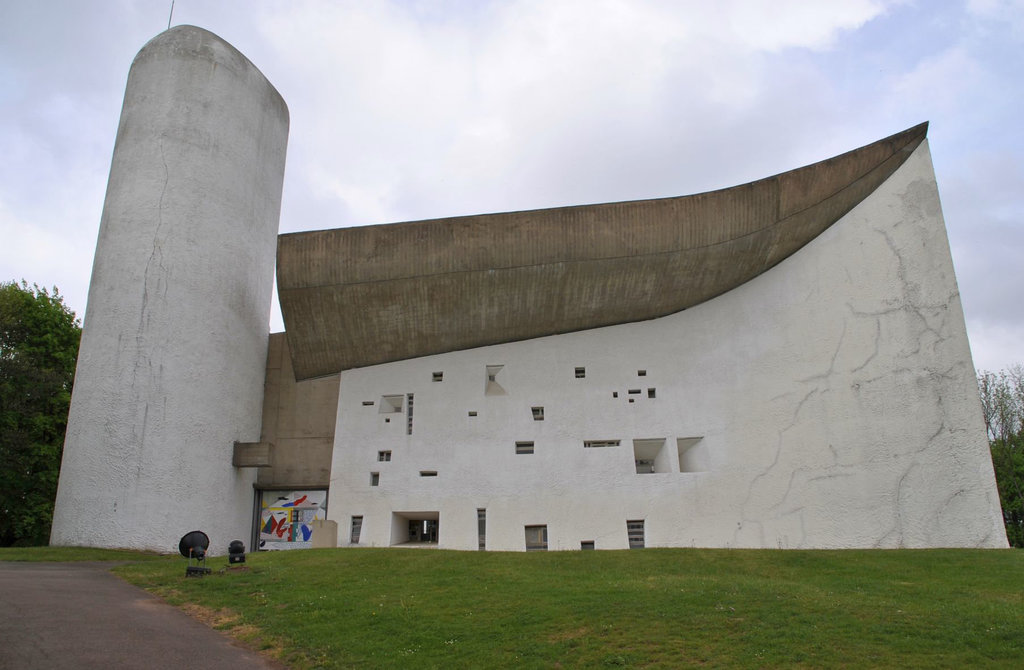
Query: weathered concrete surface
354	297
298	419
79	616
173	353
834	396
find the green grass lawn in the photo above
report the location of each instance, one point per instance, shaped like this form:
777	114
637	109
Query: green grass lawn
651	608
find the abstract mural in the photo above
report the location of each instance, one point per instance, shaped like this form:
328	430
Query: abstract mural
286	518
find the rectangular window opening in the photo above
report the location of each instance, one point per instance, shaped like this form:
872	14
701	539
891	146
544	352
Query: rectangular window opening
635	533
693	455
615	394
374	479
481	528
524	447
390	404
641	373
408	415
538	413
367	403
428	473
581	373
437	376
492	386
536	538
357	528
594	444
384	456
587	545
650	456
472	413
650	393
634	391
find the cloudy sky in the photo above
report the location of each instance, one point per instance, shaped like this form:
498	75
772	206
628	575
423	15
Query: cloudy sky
412	109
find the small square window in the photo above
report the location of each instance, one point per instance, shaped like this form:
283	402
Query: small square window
615	394
374	479
437	376
581	373
384	456
587	544
536	538
538	413
650	393
524	447
641	373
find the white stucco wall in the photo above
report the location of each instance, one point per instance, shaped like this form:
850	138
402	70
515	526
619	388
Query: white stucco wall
174	345
834	396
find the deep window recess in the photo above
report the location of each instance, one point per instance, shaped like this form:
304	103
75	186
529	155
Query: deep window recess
693	456
524	447
374	479
390	404
437	376
472	413
481	528
428	473
491	385
650	456
367	403
408	415
587	544
615	394
357	528
538	413
581	373
634	391
384	456
536	538
590	444
635	532
641	373
650	393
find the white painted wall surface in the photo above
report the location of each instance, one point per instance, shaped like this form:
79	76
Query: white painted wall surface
174	345
835	395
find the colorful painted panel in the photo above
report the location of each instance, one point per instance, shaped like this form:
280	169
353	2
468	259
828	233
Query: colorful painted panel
286	518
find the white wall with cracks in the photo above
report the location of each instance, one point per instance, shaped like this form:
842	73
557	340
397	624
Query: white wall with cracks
834	395
174	346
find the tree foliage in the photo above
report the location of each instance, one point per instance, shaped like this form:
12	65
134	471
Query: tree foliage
39	338
1002	400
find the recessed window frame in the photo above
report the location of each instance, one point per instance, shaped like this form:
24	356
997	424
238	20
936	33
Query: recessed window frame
536	537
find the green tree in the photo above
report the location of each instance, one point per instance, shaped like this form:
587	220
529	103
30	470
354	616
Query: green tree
39	338
1002	401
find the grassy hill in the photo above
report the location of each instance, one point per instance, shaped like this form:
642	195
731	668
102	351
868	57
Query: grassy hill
650	608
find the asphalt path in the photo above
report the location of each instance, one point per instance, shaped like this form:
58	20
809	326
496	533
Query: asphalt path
79	615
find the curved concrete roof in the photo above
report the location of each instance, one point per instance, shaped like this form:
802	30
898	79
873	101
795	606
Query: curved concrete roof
353	297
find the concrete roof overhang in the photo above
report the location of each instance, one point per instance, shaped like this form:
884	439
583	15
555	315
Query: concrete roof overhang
353	297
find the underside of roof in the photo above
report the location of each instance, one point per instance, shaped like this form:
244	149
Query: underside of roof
353	297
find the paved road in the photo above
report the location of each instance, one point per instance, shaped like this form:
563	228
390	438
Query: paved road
79	615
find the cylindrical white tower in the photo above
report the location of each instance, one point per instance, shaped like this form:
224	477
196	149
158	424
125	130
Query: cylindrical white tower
171	366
